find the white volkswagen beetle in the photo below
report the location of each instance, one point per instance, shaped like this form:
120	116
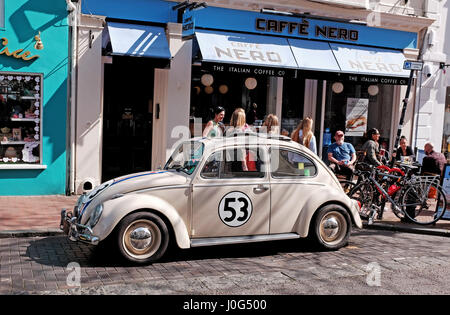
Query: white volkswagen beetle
228	190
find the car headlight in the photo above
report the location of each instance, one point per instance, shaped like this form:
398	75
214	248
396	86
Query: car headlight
95	215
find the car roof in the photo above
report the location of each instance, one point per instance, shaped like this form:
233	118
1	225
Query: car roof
247	138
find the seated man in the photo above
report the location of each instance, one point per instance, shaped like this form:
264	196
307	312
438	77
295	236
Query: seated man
342	156
433	162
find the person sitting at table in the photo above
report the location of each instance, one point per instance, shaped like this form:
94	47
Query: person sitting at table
342	155
404	150
433	162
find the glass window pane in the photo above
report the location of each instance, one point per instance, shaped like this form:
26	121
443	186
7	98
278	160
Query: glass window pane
20	118
285	163
243	163
212	165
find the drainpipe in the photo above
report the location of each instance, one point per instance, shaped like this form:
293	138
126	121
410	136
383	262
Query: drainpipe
73	15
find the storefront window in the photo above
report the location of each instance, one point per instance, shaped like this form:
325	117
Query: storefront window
20	118
230	91
356	108
293	100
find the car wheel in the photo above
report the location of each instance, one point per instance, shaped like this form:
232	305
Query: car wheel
142	237
332	227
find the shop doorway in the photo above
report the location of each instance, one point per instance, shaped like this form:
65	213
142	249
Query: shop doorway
127	116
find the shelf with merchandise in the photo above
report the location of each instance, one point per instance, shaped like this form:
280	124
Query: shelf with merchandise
20	118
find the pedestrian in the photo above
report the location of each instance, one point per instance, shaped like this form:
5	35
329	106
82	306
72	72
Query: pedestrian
433	162
238	122
372	147
404	150
238	125
214	127
271	125
342	156
303	134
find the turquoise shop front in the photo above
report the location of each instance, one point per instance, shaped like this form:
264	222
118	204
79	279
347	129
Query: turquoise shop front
34	65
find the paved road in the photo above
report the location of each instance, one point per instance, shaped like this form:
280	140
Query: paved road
375	262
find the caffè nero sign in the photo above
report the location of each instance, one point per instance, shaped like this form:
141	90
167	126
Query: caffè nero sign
222	19
303	28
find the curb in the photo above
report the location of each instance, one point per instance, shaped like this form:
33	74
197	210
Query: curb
30	233
408	229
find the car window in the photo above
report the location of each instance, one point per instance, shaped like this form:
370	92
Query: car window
243	163
186	157
212	165
235	163
287	163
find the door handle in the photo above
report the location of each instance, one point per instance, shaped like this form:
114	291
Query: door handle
260	188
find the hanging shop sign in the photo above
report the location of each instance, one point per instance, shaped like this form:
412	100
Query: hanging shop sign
18	54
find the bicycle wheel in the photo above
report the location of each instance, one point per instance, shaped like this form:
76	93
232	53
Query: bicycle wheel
399	214
364	193
347	185
424	204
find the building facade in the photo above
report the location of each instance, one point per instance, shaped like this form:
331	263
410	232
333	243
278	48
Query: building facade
33	97
144	78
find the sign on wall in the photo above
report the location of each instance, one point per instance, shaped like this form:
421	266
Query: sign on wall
301	27
356	122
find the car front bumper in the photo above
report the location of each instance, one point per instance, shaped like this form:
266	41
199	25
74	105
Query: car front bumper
75	231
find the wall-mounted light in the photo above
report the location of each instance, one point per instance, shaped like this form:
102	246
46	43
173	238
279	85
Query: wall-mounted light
38	45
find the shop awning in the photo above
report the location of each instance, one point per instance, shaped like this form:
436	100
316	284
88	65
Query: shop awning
245	49
314	55
137	40
369	61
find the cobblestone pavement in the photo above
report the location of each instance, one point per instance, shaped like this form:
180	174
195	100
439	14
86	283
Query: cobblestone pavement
407	264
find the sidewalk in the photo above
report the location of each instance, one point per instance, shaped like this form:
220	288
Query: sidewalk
40	215
32	215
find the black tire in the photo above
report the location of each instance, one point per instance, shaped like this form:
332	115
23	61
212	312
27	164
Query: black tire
331	227
427	211
347	185
142	237
365	194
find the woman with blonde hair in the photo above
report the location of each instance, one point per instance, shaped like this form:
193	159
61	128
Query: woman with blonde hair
303	134
237	122
272	125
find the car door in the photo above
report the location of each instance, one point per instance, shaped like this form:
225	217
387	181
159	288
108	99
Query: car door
292	177
231	194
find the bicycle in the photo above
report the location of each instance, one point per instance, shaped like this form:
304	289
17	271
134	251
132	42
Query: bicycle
409	195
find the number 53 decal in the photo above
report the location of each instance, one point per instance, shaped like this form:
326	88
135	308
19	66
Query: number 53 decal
235	209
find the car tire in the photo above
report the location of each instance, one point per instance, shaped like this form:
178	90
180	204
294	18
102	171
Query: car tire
331	227
142	237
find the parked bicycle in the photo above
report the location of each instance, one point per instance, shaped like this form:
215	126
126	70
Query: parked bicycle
418	198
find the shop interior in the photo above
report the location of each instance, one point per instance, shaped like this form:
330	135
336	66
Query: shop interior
127	116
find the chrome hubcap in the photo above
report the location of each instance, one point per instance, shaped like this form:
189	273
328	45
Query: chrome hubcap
333	227
330	227
141	238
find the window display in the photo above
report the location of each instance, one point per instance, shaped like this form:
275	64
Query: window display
20	118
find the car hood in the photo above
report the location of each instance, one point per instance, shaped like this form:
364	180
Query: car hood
144	180
131	183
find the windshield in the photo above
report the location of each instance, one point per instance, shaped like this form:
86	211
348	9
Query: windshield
186	157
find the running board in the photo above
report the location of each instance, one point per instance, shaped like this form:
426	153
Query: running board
210	241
